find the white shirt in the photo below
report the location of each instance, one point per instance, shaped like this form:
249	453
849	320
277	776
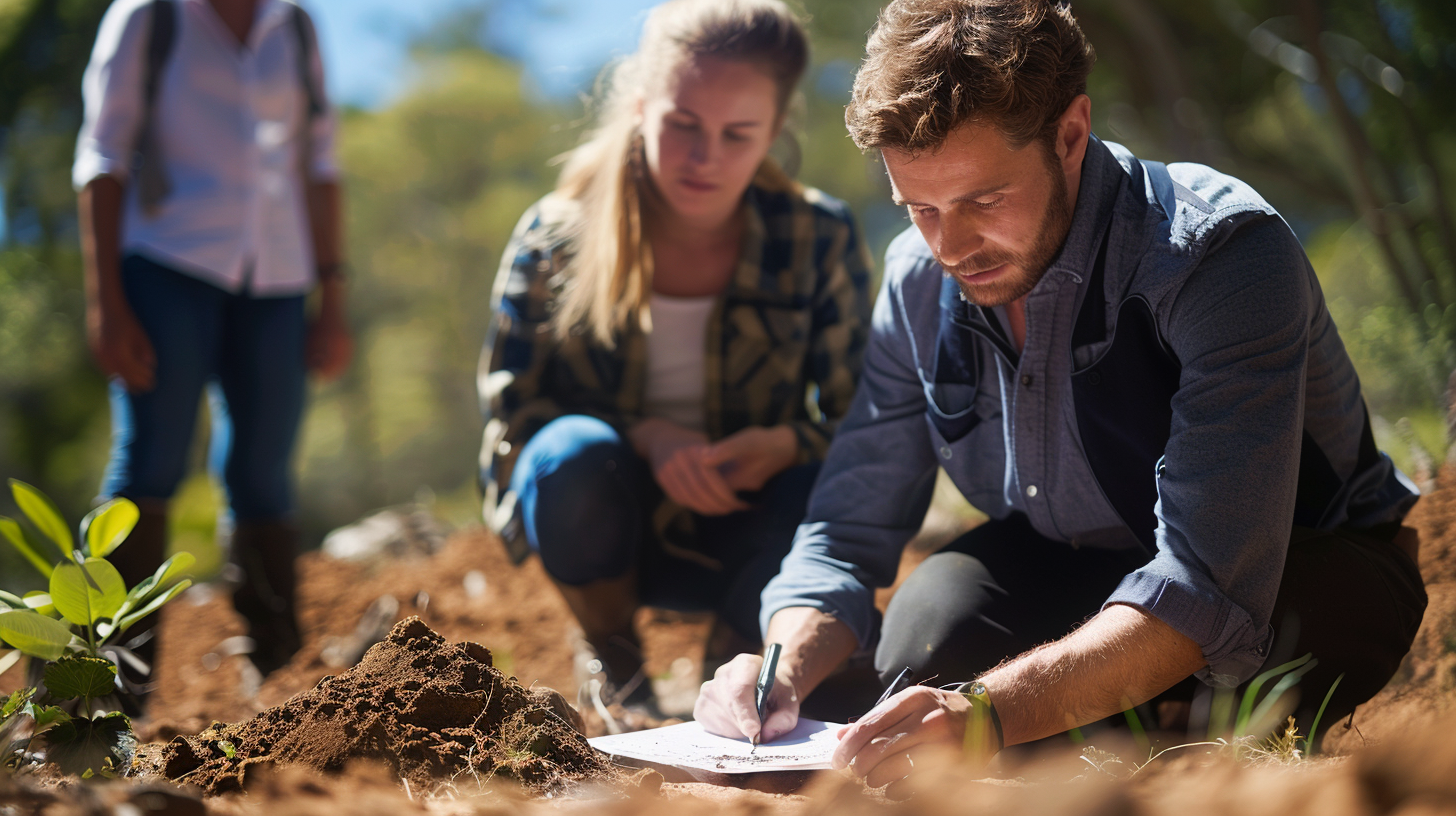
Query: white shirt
227	118
676	350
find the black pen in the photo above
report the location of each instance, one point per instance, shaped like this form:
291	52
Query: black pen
764	687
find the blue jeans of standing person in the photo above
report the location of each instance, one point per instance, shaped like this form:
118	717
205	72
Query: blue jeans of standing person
587	499
247	354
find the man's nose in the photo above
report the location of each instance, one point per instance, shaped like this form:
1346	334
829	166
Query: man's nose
959	240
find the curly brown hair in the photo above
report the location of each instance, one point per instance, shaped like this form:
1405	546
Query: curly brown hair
934	65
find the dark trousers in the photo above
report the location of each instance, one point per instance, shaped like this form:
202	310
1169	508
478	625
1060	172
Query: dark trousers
246	354
1350	598
587	500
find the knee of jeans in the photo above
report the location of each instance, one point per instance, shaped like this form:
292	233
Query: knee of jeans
581	512
572	451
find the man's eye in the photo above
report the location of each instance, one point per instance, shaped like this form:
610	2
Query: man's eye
735	136
989	203
923	212
679	124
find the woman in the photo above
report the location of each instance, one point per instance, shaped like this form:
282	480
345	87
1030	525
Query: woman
679	327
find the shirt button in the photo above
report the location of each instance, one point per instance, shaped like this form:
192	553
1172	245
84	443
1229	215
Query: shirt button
1031	491
504	448
1026	380
945	451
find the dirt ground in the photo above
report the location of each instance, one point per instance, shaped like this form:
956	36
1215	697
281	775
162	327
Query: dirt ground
1396	756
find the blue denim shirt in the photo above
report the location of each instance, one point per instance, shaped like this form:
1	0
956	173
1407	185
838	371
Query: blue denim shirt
1262	378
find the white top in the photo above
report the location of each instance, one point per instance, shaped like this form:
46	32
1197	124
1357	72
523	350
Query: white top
227	118
676	348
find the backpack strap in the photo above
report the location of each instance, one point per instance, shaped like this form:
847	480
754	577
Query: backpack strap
307	39
153	185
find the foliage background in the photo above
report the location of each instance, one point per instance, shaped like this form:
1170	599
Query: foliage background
1337	111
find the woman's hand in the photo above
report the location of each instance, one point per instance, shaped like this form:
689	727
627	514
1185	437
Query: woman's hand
749	458
678	458
120	345
329	346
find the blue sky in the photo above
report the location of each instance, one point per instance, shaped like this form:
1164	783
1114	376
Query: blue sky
562	42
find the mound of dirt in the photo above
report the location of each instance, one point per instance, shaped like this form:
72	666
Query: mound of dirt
428	709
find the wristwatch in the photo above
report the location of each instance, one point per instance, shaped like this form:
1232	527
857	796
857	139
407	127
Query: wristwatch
982	715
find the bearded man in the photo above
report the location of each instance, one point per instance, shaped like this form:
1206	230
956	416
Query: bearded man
1131	370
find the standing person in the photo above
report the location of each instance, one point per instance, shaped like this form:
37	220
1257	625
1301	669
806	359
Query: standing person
678	330
199	257
1130	368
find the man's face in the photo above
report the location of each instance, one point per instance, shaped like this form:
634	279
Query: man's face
994	217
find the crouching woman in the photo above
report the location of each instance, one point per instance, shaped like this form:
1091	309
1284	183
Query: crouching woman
678	328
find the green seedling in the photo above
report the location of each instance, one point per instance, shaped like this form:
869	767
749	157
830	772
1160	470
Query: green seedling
76	630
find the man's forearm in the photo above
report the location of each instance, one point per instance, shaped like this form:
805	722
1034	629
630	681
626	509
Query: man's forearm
1120	658
814	644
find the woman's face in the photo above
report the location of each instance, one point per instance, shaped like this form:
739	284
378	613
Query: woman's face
706	131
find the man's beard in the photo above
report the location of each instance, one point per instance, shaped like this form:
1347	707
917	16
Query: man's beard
1027	268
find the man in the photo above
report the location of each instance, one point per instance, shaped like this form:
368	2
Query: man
199	257
1131	370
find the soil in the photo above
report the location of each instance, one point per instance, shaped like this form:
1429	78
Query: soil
427	709
397	755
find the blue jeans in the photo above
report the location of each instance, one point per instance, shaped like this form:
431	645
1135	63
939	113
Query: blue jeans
587	499
247	353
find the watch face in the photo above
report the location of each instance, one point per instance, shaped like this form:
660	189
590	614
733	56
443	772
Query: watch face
978	688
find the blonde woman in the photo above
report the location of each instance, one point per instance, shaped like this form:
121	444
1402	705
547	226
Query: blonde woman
679	327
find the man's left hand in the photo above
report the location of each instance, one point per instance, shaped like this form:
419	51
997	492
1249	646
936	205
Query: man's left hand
882	746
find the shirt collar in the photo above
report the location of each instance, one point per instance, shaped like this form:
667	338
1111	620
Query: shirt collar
1096	194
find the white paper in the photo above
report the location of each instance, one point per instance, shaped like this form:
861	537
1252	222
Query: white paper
806	748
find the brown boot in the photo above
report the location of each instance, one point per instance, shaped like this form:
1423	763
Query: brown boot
605	610
264	552
137	559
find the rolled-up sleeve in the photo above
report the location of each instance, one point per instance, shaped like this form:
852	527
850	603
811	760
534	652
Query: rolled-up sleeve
321	163
874	489
111	90
1227	481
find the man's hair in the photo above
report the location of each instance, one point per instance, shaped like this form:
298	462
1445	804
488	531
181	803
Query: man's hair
934	65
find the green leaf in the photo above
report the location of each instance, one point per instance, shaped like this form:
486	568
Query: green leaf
40	602
152	584
102	746
82	601
10	528
109	525
43	514
15	702
34	634
9	659
80	677
47	716
156	603
11	601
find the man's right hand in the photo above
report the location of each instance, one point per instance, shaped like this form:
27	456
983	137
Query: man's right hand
726	703
121	347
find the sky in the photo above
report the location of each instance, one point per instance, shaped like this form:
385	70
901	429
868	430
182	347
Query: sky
365	43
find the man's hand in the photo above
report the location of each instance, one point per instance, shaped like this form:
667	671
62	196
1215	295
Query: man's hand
120	345
882	746
678	458
726	704
752	456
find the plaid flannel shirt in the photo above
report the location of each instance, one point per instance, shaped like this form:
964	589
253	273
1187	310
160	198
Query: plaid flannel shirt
784	342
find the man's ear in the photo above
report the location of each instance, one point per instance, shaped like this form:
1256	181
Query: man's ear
1073	128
